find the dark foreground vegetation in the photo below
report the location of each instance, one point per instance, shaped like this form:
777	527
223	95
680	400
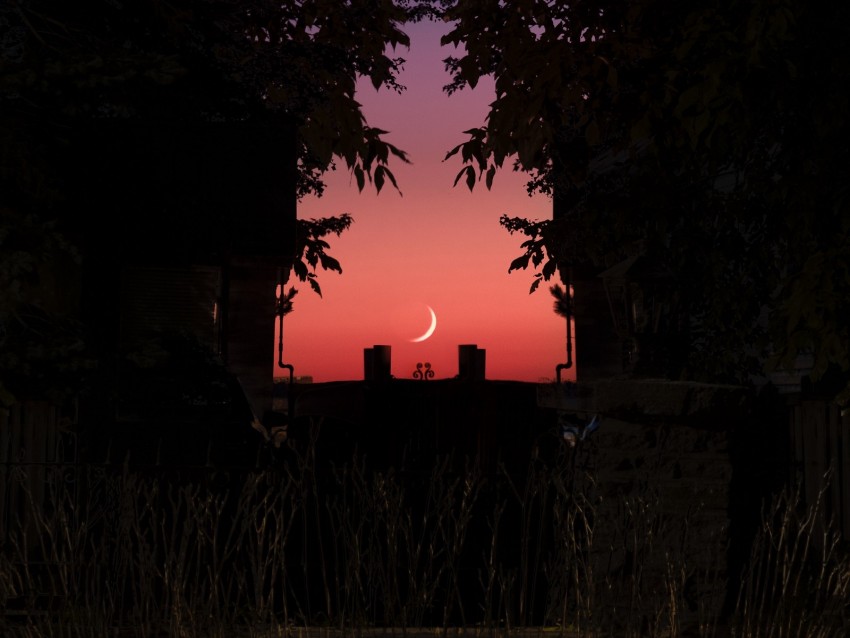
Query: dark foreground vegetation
133	551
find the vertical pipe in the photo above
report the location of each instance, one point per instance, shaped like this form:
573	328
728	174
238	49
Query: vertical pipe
282	278
566	277
563	198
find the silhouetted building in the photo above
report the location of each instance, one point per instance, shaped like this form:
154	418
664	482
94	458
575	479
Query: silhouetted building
410	424
183	229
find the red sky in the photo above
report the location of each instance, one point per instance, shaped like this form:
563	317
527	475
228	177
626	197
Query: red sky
435	245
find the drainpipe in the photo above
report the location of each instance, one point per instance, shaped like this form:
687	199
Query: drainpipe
566	278
282	278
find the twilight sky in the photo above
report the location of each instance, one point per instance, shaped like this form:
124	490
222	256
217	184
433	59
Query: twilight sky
435	245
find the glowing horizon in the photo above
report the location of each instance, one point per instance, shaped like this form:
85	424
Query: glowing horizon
433	245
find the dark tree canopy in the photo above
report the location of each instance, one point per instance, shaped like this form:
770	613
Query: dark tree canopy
206	60
219	80
712	134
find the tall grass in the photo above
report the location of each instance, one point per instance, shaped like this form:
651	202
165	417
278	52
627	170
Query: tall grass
133	552
798	581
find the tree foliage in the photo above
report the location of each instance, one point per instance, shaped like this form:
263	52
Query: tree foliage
42	351
211	60
712	134
67	67
311	248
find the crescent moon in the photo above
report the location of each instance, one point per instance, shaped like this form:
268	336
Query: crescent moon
430	329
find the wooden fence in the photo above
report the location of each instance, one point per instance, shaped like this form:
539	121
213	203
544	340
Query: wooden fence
820	444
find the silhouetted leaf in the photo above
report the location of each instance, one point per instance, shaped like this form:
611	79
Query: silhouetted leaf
537	256
300	269
391	177
453	152
285	305
470	178
549	268
314	285
520	263
329	263
398	153
563	305
460	174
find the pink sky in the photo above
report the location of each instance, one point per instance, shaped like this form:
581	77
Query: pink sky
435	245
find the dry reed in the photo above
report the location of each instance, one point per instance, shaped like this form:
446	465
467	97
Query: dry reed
352	550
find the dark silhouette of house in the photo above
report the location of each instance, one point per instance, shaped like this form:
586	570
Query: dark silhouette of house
184	229
412	423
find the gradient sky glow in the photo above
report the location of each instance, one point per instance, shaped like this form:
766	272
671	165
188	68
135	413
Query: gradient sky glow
435	245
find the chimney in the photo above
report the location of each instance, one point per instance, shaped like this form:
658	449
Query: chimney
471	362
377	363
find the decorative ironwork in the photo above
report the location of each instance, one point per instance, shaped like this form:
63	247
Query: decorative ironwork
423	372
